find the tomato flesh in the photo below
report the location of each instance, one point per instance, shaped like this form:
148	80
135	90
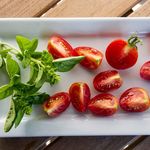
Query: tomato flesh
80	95
103	105
57	104
145	71
93	57
59	47
107	80
134	100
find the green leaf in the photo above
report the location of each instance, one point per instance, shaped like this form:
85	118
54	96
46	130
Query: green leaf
33	73
12	67
36	55
25	44
1	61
10	117
39	75
5	91
46	58
19	117
15	80
38	98
66	64
4	52
26	61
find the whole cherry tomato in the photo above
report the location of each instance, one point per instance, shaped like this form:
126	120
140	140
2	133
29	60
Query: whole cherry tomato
121	54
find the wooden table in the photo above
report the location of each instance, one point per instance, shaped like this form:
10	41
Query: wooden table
73	8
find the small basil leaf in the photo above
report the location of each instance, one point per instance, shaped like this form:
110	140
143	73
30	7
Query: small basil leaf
46	58
26	61
39	75
25	44
19	117
33	73
4	52
66	64
1	61
38	98
5	91
36	55
10	117
12	67
15	80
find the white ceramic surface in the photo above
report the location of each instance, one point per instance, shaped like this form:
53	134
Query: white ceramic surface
94	32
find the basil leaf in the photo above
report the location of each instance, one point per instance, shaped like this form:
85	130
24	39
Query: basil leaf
15	80
36	55
19	117
39	75
10	117
26	61
12	67
38	98
33	73
1	61
46	58
25	44
66	64
5	91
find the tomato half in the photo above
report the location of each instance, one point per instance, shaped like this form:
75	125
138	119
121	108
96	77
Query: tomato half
93	57
134	100
107	80
59	47
56	104
103	105
145	71
80	95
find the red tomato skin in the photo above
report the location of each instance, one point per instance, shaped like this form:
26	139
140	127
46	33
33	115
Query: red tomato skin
93	57
80	96
56	104
107	80
134	100
120	55
103	105
59	47
145	71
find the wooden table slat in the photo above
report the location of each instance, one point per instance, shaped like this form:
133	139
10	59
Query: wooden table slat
143	11
24	8
88	8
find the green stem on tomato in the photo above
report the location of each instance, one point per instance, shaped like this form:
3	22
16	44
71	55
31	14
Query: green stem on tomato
133	40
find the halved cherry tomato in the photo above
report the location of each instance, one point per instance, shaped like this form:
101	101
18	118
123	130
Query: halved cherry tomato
107	80
121	54
103	105
145	71
59	48
80	95
56	104
93	57
134	100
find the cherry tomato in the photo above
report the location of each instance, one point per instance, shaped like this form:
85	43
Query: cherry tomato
103	105
107	80
56	104
121	54
134	100
80	95
145	71
59	48
93	57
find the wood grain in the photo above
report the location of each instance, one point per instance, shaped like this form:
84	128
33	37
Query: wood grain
90	143
24	8
90	8
143	11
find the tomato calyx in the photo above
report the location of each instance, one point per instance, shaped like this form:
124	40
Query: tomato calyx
133	40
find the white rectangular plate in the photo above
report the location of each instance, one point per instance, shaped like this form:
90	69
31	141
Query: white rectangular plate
94	32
